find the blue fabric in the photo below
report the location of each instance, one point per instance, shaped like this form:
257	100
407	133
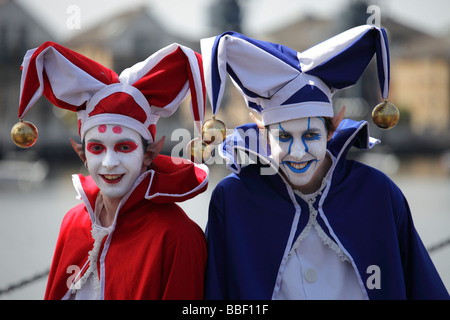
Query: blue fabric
215	77
254	106
346	67
307	93
342	70
241	85
285	54
380	69
250	218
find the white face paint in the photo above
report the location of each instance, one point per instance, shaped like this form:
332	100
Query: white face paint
299	146
115	158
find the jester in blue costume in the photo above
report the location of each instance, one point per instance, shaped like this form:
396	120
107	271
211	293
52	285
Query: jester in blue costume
296	219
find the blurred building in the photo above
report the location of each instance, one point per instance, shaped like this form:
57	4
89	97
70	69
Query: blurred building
126	39
19	32
421	83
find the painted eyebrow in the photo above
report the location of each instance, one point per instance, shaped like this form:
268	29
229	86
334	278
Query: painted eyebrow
120	141
321	119
313	130
126	140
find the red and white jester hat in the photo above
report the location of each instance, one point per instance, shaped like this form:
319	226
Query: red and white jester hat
136	98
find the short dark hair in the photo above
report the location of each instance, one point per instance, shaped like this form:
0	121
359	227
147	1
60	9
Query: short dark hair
144	144
328	124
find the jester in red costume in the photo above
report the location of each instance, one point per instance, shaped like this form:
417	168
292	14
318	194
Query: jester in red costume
127	239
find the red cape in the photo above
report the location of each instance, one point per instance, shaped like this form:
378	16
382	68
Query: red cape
155	250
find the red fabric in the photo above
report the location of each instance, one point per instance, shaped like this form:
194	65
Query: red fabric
156	251
195	101
31	84
120	103
162	84
184	183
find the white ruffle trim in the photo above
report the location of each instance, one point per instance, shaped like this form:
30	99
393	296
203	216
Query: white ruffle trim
98	233
326	240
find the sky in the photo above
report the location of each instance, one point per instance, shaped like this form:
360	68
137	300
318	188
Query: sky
189	18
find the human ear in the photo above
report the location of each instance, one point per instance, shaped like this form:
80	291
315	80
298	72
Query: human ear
335	121
79	150
257	121
153	150
261	128
263	131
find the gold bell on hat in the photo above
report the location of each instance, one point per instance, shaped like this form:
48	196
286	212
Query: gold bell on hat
385	115
24	134
198	150
201	148
214	131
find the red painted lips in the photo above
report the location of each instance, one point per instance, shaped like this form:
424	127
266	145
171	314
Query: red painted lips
112	178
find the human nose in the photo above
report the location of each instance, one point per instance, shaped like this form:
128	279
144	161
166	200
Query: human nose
298	149
110	160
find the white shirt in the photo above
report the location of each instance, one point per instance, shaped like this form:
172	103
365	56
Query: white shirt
88	286
89	291
316	267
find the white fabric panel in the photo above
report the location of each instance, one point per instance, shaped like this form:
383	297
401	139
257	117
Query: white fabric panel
327	49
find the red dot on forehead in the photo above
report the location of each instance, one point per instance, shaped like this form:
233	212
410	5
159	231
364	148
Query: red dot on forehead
102	128
117	129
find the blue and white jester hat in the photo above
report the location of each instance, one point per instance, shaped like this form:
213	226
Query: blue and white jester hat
282	84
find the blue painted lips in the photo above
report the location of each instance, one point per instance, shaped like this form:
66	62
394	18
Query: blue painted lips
289	165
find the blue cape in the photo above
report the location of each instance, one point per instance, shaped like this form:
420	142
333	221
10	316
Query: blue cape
255	218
